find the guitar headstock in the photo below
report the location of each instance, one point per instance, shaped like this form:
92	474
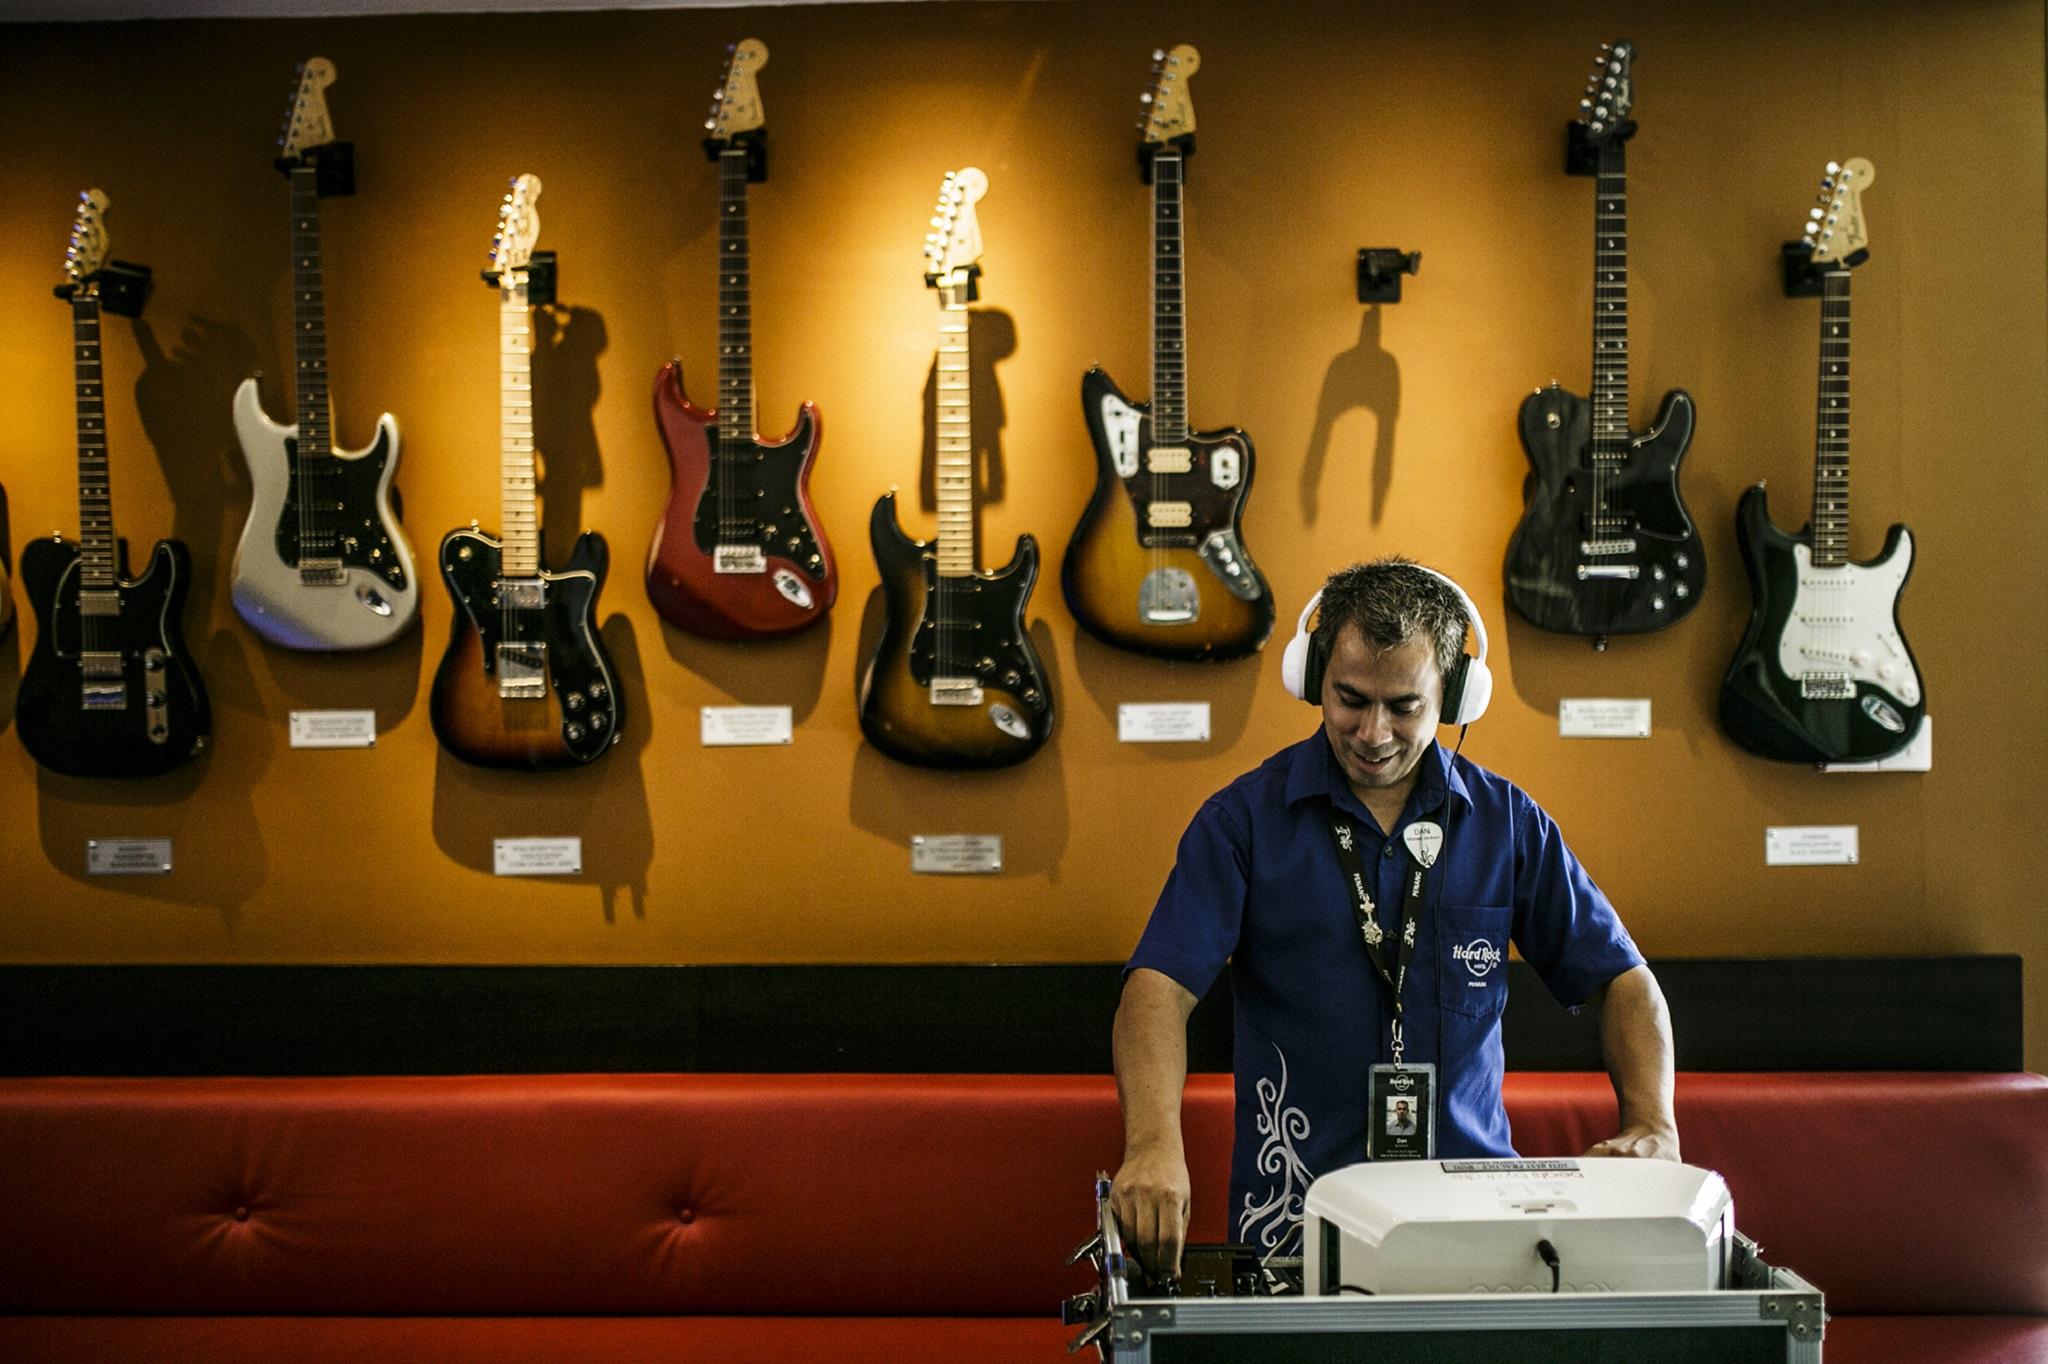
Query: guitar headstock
87	252
1169	112
1610	94
306	124
952	249
518	230
736	106
1836	232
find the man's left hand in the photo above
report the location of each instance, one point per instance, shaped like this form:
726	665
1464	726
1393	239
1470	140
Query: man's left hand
1646	1143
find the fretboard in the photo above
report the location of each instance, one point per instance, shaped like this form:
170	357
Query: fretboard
519	527
309	319
1610	308
1169	348
1831	425
955	444
95	494
735	315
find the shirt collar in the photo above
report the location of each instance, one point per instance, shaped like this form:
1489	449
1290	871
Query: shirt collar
1314	774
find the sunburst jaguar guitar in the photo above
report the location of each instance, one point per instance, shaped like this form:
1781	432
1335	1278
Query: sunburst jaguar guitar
526	681
738	552
1824	673
1158	563
954	681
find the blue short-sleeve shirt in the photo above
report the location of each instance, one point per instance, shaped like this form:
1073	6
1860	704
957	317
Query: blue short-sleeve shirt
1256	883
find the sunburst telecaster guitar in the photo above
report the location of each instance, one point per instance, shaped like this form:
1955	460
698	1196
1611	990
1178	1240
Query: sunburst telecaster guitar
323	562
1605	545
526	682
109	690
738	552
1824	673
954	681
1158	563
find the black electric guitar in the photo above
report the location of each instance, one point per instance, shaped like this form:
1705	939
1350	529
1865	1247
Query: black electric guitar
954	681
1824	673
1605	545
110	690
526	681
1158	563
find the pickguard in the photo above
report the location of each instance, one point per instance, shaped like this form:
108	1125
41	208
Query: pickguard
1842	624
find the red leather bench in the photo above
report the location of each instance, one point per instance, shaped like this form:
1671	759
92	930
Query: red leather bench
855	1217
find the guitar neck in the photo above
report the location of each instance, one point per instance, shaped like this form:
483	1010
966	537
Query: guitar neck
955	444
1831	426
95	492
519	527
1169	358
735	313
309	319
1610	306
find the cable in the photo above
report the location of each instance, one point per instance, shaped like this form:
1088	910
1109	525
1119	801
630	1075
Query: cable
1548	1254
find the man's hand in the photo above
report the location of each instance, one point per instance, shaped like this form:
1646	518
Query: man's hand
1646	1143
1150	1199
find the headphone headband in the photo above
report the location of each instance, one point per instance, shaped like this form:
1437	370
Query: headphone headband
1467	688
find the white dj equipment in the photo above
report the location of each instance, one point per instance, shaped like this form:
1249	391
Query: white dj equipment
1590	1225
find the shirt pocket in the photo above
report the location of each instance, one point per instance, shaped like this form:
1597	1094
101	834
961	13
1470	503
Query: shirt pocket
1472	969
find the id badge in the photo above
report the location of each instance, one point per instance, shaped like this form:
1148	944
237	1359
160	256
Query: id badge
1401	1112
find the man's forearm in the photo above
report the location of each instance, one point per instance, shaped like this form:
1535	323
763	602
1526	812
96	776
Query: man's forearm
1635	1041
1150	1040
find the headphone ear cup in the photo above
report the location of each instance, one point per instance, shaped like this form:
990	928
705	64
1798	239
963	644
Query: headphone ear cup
1313	667
1475	690
1294	666
1455	687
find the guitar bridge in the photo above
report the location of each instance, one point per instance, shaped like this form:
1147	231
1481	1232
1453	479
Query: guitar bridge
523	671
1167	596
1609	571
739	559
955	691
322	573
1828	686
103	685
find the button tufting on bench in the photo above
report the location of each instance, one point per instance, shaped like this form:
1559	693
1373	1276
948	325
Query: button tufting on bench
242	1213
686	1215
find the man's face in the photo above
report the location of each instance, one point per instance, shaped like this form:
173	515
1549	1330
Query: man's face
1380	709
1400	1108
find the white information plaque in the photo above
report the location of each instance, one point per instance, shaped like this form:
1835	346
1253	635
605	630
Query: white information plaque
1603	717
334	729
1916	756
1809	845
127	856
737	726
1163	722
956	854
537	856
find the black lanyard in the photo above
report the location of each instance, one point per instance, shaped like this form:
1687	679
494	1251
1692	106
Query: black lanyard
1394	971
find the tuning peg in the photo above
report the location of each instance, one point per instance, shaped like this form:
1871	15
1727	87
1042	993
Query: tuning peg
1586	106
732	47
1145	98
710	125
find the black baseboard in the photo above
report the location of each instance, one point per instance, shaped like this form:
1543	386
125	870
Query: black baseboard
1834	1013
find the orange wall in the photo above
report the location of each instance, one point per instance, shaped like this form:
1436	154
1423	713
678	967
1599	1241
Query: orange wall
1377	430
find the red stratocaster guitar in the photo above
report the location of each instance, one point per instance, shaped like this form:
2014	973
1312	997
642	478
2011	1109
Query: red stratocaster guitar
738	552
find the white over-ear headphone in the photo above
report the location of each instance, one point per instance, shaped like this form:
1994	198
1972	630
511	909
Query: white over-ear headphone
1466	690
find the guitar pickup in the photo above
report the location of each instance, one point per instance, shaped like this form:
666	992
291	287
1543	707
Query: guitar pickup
523	671
1828	686
1169	459
1609	571
1169	515
955	691
1592	549
322	573
99	602
103	686
521	594
739	559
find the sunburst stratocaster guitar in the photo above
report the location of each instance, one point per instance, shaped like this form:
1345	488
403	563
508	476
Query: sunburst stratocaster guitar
323	562
1605	545
110	690
526	682
1158	563
738	552
954	681
1824	673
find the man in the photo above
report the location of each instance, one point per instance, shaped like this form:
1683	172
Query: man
1403	1122
1454	863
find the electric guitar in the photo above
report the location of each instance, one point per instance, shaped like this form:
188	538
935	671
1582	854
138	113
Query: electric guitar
954	681
738	552
1823	673
526	682
1605	545
322	563
109	690
1158	563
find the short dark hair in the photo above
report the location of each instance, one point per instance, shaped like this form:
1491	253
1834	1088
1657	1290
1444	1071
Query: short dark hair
1392	601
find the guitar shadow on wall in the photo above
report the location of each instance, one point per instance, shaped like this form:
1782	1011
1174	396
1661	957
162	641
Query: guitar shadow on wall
566	387
185	399
604	801
1366	377
760	672
1113	677
10	627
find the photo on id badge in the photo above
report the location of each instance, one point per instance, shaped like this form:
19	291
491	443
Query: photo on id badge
1402	1102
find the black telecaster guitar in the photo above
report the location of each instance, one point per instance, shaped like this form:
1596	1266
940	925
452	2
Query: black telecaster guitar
954	681
1824	673
109	690
1605	545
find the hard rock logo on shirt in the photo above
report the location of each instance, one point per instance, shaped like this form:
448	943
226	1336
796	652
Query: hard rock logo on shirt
1479	956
